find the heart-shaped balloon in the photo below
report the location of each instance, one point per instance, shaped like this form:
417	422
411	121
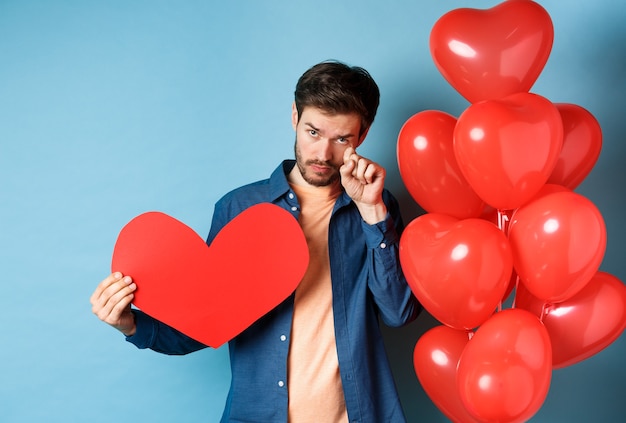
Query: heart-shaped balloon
584	324
507	148
492	53
435	358
458	269
429	169
505	370
558	242
212	293
543	191
582	143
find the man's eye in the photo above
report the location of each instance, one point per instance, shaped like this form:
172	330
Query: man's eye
342	140
312	132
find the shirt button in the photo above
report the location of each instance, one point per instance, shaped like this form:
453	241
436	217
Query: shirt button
294	208
283	338
281	383
383	245
291	195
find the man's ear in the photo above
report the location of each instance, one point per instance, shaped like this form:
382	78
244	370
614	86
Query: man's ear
294	115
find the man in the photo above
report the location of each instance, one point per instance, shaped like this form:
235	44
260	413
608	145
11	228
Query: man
319	355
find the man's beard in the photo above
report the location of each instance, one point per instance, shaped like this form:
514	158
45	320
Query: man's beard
310	179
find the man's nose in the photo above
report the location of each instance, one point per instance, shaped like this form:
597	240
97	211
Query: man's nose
325	150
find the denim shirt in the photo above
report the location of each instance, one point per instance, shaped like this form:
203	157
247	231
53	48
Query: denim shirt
367	284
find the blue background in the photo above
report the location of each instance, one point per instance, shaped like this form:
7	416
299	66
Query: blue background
110	109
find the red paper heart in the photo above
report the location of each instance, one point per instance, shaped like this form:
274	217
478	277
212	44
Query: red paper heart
458	269
492	53
212	293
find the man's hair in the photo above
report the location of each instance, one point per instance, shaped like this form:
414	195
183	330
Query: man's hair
337	88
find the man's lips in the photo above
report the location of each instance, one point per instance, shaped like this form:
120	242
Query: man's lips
317	168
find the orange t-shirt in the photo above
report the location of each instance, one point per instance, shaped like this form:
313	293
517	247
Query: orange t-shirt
315	390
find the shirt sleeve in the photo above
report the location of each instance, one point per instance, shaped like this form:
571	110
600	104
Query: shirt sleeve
386	281
160	337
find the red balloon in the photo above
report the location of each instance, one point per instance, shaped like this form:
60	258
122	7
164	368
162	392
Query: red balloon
492	53
558	243
584	324
550	189
505	370
429	169
458	269
435	359
507	148
545	190
582	142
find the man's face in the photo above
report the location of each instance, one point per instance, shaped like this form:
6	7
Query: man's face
321	140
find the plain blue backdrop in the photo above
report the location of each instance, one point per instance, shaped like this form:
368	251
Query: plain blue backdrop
110	109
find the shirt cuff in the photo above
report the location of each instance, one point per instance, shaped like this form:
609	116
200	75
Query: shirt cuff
381	234
145	330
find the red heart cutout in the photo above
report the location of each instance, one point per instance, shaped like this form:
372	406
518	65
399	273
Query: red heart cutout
429	169
492	53
584	324
212	293
458	269
435	359
582	142
507	148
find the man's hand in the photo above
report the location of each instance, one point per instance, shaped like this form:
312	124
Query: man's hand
364	181
111	302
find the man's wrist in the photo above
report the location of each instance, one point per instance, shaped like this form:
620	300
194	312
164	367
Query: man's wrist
130	331
373	213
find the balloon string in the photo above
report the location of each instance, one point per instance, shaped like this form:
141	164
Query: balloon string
516	291
503	220
470	334
544	311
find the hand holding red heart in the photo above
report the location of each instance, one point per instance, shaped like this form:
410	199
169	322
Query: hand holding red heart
204	292
111	302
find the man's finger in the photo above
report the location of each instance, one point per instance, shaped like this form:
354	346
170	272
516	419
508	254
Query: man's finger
347	153
102	286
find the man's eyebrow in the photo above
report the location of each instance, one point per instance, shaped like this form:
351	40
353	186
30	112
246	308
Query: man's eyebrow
310	125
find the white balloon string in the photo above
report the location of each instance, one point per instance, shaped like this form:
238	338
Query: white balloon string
503	220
